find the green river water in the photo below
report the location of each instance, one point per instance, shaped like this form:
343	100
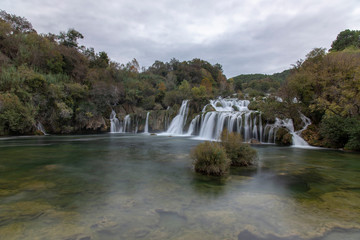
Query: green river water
116	186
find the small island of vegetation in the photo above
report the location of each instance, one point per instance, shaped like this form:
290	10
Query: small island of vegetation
215	158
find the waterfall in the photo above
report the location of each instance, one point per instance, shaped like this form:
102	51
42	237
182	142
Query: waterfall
127	122
115	125
41	128
260	128
297	140
146	129
234	115
192	126
289	125
137	126
230	113
178	123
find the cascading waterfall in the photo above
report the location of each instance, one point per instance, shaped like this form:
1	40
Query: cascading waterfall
127	123
289	125
231	114
234	115
178	123
194	123
146	129
297	140
115	125
137	126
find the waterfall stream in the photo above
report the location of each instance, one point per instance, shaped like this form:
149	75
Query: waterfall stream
178	123
117	126
41	128
146	129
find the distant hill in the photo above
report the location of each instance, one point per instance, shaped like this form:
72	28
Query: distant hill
260	82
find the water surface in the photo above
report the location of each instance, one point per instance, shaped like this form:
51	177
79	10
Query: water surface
117	186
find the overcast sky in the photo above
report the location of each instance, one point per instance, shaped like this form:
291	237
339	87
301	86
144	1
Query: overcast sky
244	36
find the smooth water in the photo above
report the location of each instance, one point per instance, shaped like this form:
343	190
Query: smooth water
117	186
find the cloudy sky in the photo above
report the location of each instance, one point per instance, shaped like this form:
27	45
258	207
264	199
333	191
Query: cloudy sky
244	36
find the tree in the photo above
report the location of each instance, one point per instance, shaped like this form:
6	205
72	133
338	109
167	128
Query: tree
18	24
345	39
70	38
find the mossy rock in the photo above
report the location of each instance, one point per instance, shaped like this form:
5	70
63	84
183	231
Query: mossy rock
283	137
219	104
312	136
209	108
235	108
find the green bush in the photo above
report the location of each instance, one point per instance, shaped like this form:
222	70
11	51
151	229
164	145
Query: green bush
210	159
340	132
240	154
283	137
15	117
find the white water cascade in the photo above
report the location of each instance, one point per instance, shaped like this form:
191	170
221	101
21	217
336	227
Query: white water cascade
234	115
127	123
117	126
146	129
178	123
297	140
41	128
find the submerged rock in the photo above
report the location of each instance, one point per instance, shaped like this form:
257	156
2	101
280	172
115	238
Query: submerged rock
254	141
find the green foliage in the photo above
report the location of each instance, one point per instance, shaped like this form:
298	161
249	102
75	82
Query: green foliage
15	117
259	83
185	89
70	38
210	159
199	93
10	78
345	39
272	108
354	136
240	154
283	137
341	132
327	83
172	97
18	24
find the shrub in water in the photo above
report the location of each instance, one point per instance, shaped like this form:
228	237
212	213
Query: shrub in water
240	154
210	159
283	137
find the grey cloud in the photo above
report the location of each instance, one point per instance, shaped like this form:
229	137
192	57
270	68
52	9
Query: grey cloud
244	36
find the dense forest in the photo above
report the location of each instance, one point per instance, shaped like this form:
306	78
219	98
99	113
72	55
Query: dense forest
50	78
